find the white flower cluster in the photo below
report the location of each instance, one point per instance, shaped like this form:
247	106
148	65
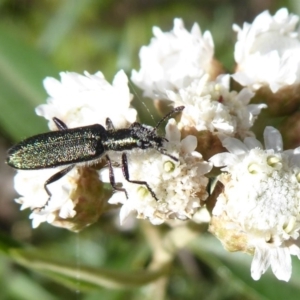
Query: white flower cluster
179	186
173	59
80	100
267	51
210	105
77	100
260	200
30	184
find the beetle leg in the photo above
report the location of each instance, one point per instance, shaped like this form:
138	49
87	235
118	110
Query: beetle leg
60	124
126	175
52	179
109	124
112	177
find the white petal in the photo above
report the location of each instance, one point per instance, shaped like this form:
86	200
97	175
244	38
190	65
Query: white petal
243	79
235	146
125	212
255	109
252	143
260	262
204	168
117	198
223	159
245	95
294	250
189	144
273	139
172	132
281	263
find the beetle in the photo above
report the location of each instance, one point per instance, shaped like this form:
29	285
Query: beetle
86	144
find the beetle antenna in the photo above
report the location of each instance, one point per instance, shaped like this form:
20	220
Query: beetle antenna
167	116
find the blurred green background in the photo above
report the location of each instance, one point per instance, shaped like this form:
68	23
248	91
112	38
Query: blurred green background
41	38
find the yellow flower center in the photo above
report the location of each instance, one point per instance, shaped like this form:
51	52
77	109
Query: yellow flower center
169	166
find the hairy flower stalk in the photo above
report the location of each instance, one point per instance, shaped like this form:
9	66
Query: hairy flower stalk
258	211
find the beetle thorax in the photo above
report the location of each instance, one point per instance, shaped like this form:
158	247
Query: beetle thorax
146	137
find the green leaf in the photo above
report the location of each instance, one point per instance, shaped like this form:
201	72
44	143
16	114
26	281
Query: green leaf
7	243
22	70
82	277
60	24
23	287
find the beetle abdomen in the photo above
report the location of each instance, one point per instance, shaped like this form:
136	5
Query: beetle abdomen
58	148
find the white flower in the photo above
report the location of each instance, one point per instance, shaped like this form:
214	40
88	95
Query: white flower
267	51
80	100
77	199
179	186
210	105
77	100
173	59
30	185
261	200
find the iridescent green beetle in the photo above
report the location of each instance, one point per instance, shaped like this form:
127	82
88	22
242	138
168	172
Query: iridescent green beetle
68	147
